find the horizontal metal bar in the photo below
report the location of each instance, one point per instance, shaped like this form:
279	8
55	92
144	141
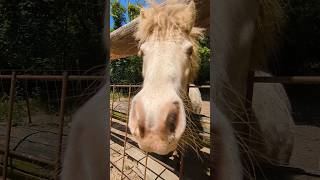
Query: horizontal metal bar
53	77
29	175
29	158
128	85
289	79
125	85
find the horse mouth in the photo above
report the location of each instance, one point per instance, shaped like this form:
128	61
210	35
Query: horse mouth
153	142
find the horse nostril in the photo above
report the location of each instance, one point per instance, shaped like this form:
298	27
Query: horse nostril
137	119
171	122
141	128
172	118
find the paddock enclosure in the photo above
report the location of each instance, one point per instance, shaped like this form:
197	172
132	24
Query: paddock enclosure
34	130
127	160
36	110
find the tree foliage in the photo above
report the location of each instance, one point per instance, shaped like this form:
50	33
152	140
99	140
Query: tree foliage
133	10
125	70
51	35
300	52
118	13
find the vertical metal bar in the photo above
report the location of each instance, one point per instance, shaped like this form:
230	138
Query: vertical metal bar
28	111
181	154
2	88
27	102
48	96
62	112
145	167
181	167
126	133
9	123
248	104
112	101
247	128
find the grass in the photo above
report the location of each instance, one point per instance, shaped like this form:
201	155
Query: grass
20	113
117	95
32	169
118	115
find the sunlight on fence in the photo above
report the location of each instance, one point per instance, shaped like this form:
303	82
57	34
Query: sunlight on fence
127	160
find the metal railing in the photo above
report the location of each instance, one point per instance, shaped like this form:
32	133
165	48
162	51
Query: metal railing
119	114
63	79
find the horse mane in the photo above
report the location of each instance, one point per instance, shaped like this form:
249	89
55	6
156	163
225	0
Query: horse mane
164	21
269	24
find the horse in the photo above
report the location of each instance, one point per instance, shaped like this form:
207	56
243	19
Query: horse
168	43
245	36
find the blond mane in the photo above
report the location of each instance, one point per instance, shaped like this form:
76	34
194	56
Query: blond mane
165	21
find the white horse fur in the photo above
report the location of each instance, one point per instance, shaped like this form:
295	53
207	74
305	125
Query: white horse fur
195	99
235	33
168	44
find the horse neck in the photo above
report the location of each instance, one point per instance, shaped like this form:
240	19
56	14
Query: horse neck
234	29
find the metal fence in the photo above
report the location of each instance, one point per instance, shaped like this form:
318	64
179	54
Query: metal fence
20	163
19	155
127	161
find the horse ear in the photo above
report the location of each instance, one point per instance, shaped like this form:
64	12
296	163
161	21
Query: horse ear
192	9
189	13
142	13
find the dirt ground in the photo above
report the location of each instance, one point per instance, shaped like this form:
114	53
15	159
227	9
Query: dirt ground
306	151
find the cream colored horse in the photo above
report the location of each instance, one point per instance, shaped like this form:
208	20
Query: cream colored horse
168	45
243	32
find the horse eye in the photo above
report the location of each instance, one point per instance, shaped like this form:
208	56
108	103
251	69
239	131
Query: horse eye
190	51
140	53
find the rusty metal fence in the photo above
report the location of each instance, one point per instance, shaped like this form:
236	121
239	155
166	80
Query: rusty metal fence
127	161
51	138
22	158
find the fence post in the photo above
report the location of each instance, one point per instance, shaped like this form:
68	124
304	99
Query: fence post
9	123
248	104
112	102
126	133
62	112
181	166
181	154
145	167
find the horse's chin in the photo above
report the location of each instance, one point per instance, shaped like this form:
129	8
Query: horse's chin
159	148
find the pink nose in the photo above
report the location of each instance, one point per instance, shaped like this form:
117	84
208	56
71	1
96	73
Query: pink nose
156	134
166	122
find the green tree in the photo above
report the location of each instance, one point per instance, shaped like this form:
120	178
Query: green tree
51	35
118	14
125	70
133	10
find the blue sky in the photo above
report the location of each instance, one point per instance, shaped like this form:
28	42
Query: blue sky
124	3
